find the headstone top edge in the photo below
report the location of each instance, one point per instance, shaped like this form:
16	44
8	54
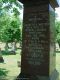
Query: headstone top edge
54	3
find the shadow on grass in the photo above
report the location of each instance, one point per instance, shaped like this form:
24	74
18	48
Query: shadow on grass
57	51
3	72
8	52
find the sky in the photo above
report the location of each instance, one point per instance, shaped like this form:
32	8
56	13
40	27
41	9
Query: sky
57	10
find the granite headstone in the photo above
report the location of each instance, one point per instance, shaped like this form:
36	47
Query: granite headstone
38	41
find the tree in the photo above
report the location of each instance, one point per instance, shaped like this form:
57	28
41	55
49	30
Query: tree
10	24
57	25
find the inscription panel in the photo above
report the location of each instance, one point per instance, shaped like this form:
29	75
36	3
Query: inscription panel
36	39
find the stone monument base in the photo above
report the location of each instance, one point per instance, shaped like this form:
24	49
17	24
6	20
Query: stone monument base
54	76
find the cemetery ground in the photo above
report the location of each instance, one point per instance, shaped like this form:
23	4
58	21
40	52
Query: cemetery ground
9	70
58	63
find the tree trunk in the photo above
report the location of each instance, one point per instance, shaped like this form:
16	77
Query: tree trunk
6	46
14	46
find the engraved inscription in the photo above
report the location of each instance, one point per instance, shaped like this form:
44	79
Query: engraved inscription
36	28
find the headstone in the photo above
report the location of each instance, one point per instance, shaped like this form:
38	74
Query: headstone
38	41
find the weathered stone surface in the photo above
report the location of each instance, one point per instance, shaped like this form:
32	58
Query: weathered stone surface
38	42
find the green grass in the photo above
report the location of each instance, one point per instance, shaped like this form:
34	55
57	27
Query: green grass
9	70
58	63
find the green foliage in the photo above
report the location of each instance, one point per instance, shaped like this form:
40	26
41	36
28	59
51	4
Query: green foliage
10	29
11	2
3	72
16	12
10	23
57	25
